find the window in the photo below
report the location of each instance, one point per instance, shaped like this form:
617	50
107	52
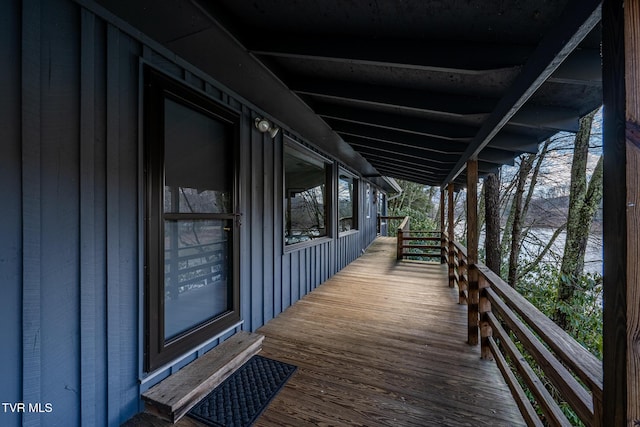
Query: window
381	203
347	202
368	200
306	178
191	286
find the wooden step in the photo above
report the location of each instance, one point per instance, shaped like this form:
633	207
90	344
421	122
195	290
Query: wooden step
176	395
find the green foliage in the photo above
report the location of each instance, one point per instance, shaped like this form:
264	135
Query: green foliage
541	286
584	310
416	202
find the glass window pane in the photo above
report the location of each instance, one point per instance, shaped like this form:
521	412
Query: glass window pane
197	161
306	197
197	282
346	197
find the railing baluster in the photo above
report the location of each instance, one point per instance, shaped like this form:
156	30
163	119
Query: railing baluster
463	277
473	300
485	327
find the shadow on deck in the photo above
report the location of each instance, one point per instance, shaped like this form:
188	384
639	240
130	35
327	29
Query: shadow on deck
382	343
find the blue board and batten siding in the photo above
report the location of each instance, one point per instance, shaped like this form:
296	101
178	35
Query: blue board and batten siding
71	247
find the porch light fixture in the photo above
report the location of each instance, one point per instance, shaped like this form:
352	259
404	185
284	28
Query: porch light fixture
264	125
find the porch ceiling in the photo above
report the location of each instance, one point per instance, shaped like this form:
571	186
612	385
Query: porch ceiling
414	87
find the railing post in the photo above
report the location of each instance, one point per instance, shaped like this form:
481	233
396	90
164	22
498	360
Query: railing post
402	228
451	237
485	327
621	201
472	251
443	251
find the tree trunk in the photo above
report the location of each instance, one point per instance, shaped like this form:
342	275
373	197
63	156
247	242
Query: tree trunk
583	202
516	227
493	254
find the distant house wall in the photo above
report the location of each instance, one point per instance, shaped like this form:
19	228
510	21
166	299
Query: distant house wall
72	223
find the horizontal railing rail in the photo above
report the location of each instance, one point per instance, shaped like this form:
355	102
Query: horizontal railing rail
510	325
417	243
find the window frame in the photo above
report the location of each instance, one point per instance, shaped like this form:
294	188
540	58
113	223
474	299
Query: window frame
159	351
355	202
368	201
304	151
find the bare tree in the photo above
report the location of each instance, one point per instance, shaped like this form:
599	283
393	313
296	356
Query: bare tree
584	200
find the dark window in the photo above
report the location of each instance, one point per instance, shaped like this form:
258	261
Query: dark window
191	289
368	200
306	178
381	203
347	202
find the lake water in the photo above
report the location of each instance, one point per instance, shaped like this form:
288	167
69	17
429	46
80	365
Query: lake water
538	238
593	256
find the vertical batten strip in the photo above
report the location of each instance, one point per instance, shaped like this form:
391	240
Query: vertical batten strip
88	293
268	215
278	232
113	226
472	249
31	207
244	207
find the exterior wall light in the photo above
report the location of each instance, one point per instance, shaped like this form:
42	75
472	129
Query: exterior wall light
264	125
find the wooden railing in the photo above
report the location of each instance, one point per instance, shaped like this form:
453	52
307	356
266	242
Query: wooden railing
460	271
383	223
418	244
508	324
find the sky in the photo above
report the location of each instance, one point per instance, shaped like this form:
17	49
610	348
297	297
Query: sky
555	173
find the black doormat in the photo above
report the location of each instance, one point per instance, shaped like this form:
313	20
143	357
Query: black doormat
242	397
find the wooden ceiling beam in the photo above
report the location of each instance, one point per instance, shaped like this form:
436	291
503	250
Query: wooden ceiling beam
418	125
409	99
372	156
408	142
465	58
546	117
447	131
364	145
583	67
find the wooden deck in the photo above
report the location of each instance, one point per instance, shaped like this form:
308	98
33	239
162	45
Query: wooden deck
382	343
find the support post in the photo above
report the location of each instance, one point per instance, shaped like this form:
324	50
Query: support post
451	237
621	212
472	251
399	243
443	248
